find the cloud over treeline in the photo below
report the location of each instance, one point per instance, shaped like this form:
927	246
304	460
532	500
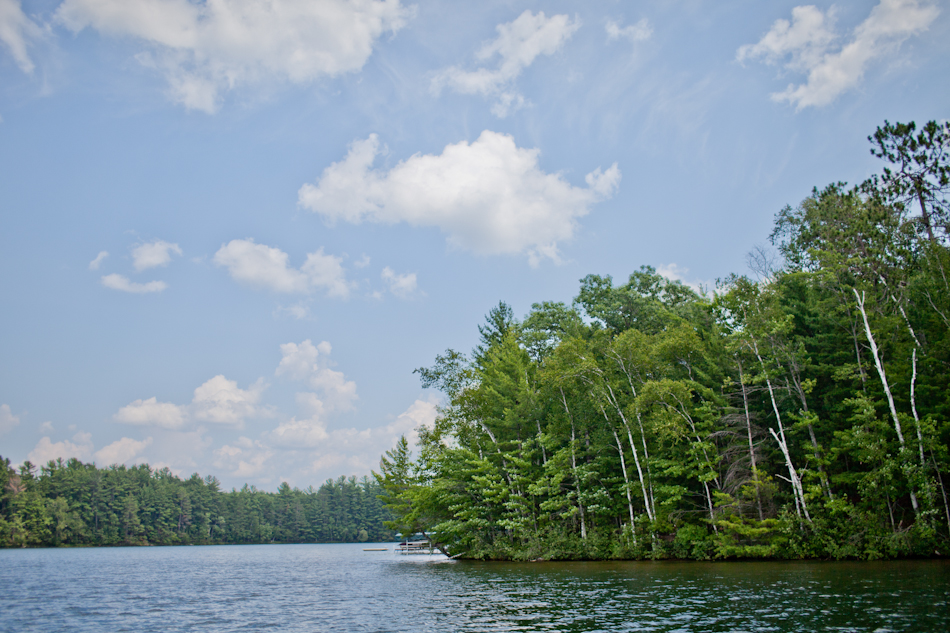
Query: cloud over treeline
489	196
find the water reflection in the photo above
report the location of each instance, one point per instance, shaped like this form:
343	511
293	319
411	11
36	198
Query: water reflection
328	588
674	596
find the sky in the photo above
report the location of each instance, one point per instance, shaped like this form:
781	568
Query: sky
231	229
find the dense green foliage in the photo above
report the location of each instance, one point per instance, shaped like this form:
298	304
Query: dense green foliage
801	414
72	503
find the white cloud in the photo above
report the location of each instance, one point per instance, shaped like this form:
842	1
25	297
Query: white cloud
331	451
403	286
309	363
153	254
246	458
16	31
121	451
218	400
94	264
46	450
221	401
206	48
121	282
152	413
260	265
805	40
808	45
299	361
489	196
363	262
420	414
299	434
518	44
638	32
7	420
267	267
298	311
326	271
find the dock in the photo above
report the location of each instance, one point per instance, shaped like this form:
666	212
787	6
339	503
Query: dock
416	547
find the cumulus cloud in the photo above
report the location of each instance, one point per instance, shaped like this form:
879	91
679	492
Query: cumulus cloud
299	434
309	363
7	420
489	196
207	48
810	45
16	32
152	413
331	451
420	414
221	401
401	285
218	400
244	458
638	32
121	451
94	264
121	282
267	267
518	44
153	254
47	450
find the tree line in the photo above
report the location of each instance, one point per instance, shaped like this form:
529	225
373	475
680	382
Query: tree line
74	503
800	412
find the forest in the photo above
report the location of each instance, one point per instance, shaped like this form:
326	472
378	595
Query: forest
800	411
75	504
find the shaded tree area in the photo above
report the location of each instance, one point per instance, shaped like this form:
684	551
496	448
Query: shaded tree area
72	503
804	413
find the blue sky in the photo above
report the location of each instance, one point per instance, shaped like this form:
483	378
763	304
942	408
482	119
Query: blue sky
230	230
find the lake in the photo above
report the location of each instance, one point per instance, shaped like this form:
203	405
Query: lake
317	588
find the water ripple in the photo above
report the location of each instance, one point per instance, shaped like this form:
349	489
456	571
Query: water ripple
331	588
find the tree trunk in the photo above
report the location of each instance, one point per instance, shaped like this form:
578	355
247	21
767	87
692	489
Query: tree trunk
633	448
796	482
748	422
577	481
887	387
626	479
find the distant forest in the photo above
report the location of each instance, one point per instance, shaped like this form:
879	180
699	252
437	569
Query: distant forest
72	503
803	412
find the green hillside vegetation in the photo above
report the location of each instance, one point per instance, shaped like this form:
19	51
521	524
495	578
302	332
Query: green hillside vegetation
801	413
72	503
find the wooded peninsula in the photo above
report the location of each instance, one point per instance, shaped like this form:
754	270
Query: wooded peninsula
799	413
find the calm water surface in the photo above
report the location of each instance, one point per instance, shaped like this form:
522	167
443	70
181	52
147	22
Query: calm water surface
316	588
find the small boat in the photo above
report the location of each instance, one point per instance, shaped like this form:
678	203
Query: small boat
375	549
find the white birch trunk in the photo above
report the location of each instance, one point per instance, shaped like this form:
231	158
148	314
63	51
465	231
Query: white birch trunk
913	407
649	502
748	423
633	447
796	482
626	479
577	481
884	383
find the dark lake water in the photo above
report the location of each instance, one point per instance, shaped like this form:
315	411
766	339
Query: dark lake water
316	588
